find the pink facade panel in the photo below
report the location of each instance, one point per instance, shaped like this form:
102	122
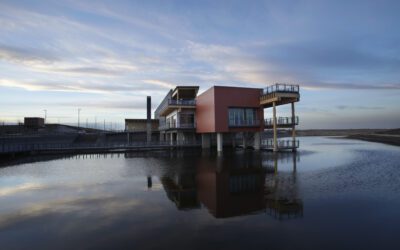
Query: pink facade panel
205	112
212	115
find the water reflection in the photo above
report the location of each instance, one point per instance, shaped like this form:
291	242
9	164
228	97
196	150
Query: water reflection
194	200
234	184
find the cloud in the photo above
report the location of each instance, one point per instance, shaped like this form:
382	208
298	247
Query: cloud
349	86
25	55
43	61
343	107
238	65
163	84
132	104
79	86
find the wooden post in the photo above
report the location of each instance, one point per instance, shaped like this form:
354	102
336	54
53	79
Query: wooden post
293	128
275	128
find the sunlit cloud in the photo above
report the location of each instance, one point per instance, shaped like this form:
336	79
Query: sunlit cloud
132	49
6	191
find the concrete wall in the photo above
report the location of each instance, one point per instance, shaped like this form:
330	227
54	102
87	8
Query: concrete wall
138	125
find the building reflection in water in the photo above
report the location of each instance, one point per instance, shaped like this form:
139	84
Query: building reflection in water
237	184
281	193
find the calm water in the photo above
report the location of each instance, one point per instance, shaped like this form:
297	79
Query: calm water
332	194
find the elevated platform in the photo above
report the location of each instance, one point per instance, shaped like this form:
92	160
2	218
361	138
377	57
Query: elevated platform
279	94
281	122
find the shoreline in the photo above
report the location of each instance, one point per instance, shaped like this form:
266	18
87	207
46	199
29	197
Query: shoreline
381	138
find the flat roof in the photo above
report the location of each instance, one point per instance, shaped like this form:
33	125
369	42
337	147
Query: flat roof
139	120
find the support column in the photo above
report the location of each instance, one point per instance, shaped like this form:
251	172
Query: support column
180	139
233	138
171	136
257	140
293	128
205	141
244	140
275	128
219	142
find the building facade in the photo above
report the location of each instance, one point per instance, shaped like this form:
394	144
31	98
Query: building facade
223	114
177	115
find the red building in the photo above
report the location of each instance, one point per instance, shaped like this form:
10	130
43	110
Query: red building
224	112
229	110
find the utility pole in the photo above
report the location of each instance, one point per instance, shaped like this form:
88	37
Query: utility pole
79	116
104	125
45	115
86	122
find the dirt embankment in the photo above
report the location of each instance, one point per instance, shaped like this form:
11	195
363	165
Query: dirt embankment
388	136
391	137
337	132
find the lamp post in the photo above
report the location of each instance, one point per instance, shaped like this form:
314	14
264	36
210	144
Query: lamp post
79	115
45	115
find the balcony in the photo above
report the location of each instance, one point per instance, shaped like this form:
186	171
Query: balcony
244	123
282	122
191	102
177	126
173	104
279	94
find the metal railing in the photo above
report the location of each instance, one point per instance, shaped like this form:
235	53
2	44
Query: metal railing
244	123
281	87
174	125
28	147
282	121
189	102
282	144
165	104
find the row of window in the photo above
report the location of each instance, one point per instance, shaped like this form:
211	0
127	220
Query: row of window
237	117
243	117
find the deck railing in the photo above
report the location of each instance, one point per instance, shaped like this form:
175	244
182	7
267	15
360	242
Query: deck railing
281	87
282	121
174	125
189	102
173	102
282	144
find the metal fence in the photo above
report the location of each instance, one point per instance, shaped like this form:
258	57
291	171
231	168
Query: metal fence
28	147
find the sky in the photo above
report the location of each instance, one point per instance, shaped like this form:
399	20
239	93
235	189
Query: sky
105	57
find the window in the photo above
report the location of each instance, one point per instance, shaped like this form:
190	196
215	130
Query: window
242	117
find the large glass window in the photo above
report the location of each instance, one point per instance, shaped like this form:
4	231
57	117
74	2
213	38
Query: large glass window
243	117
186	120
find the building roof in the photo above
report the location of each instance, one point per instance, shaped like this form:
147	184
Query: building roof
139	120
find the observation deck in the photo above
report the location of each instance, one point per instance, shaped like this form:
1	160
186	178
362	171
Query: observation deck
279	94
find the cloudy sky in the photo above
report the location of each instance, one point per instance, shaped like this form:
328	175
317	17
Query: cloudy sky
106	56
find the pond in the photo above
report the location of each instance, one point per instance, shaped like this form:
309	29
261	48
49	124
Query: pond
333	193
